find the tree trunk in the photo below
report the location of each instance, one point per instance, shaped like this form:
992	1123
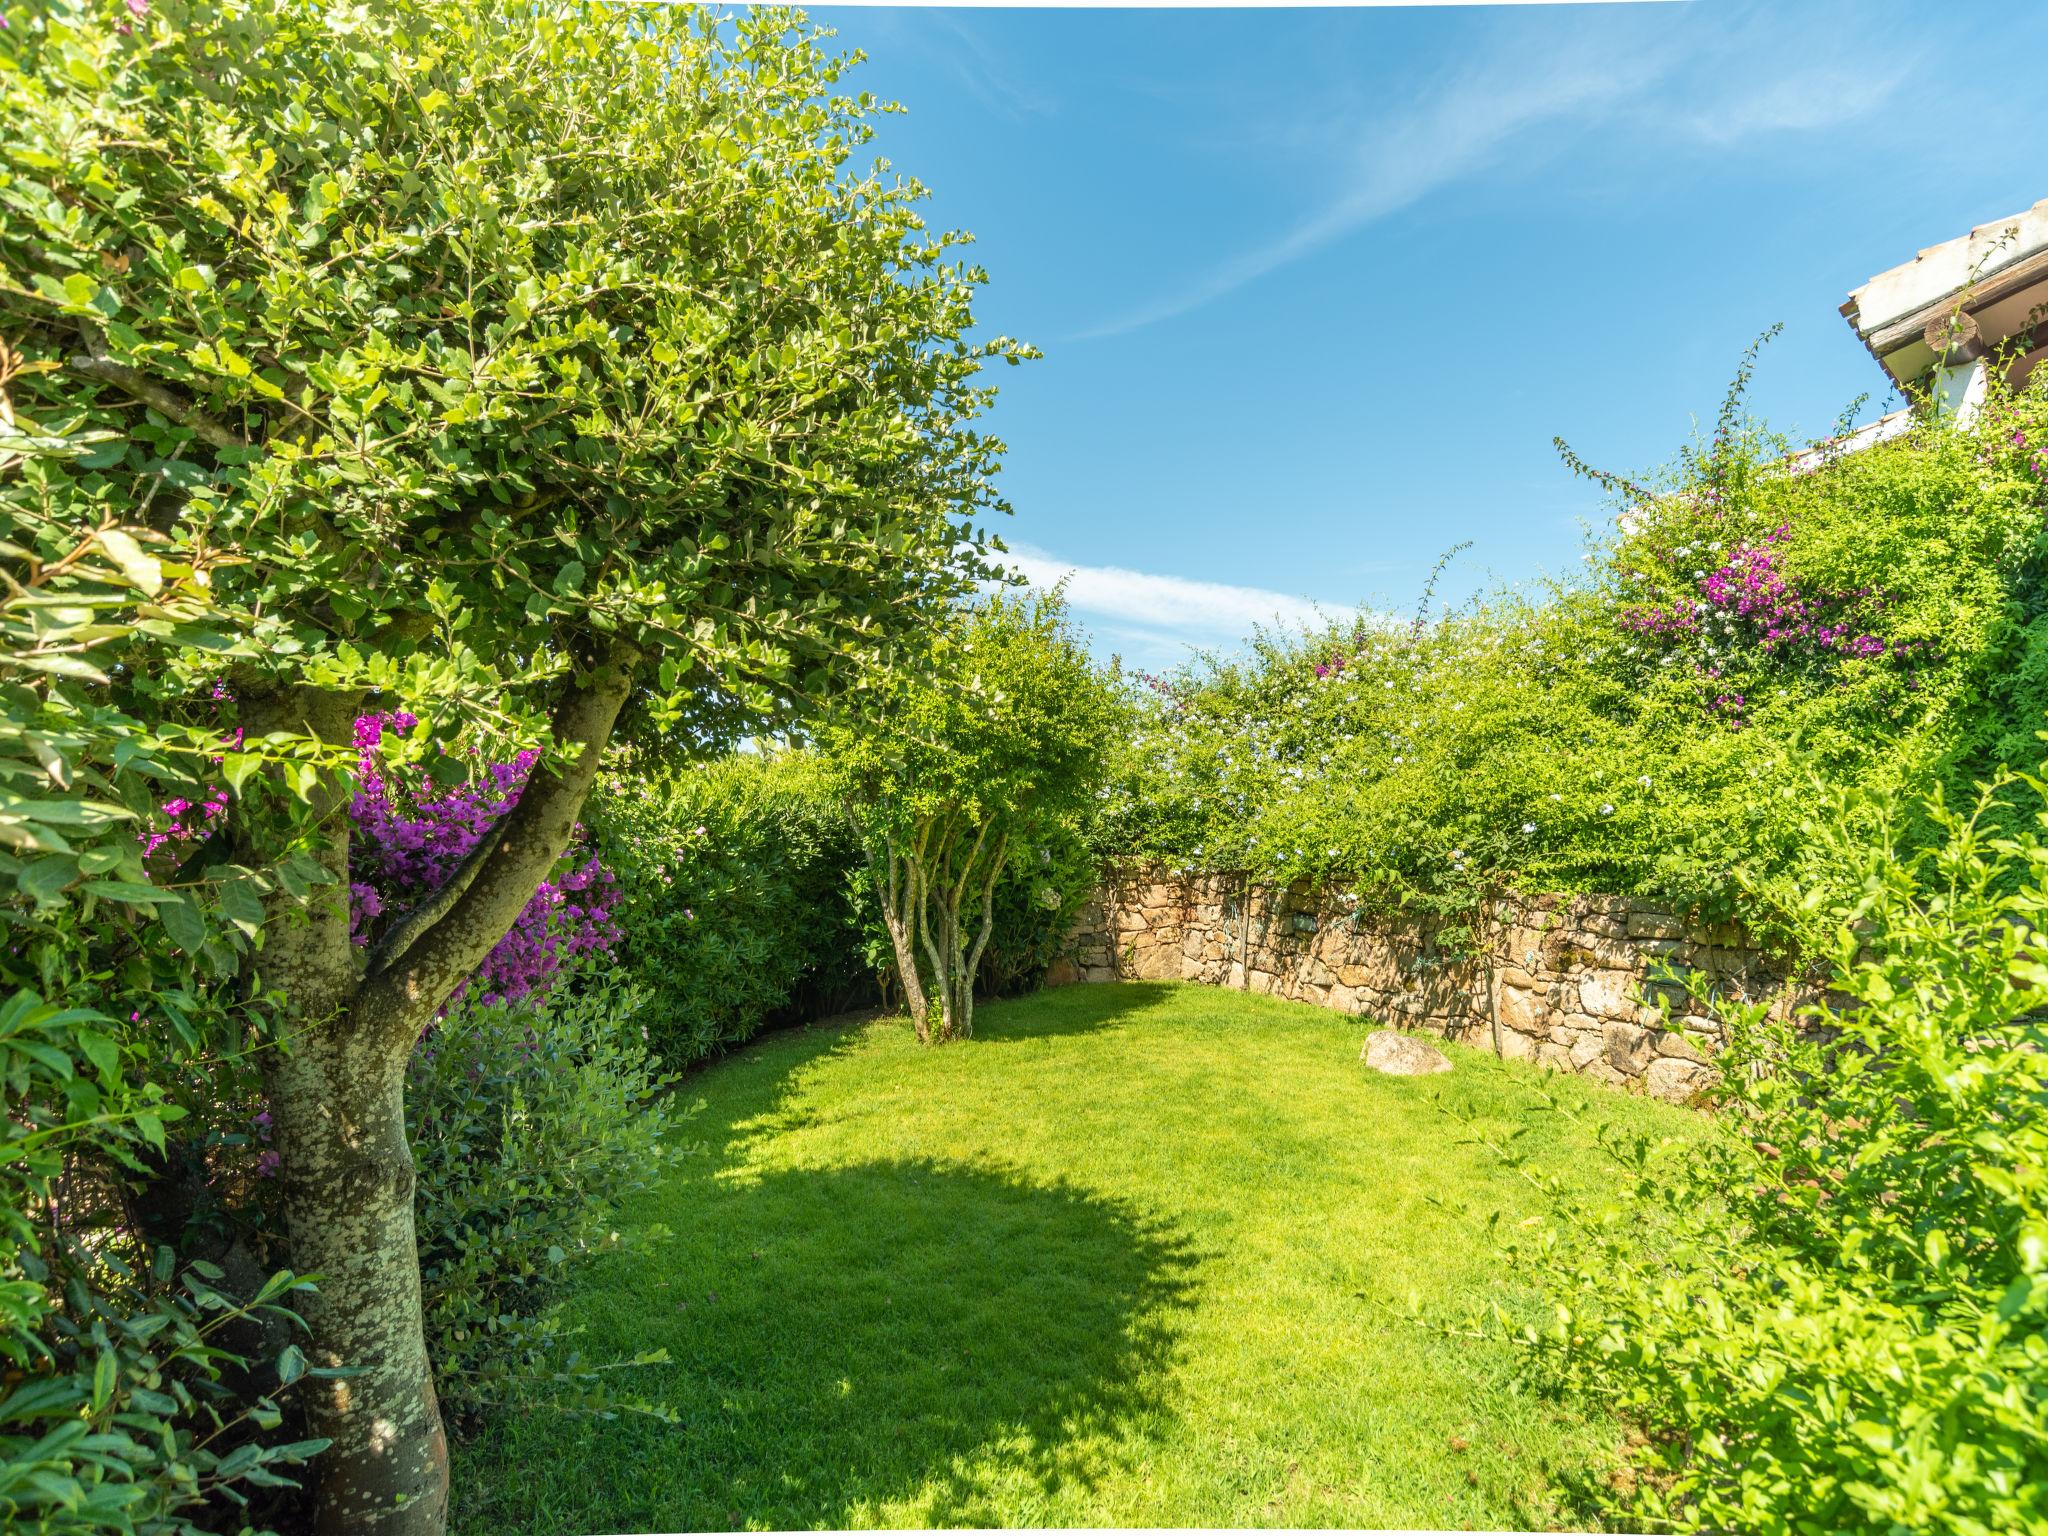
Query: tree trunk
337	1108
936	900
896	889
337	1100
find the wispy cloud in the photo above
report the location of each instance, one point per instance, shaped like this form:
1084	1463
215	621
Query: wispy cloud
958	47
1464	122
1166	608
1803	101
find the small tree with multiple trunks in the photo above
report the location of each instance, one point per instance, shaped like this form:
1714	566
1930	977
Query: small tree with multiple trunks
955	770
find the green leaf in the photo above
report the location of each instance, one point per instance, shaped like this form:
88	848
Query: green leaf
129	891
61	665
145	570
46	879
181	920
103	1053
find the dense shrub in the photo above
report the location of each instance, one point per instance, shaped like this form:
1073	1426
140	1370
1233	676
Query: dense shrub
1038	897
1829	1315
144	1338
530	1121
734	906
1653	726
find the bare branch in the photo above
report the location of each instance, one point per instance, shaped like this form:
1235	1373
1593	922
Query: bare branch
99	367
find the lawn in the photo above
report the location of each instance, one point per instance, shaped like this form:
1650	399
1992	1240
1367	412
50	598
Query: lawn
1135	1255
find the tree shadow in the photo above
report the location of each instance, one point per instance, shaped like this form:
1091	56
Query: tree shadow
902	1341
1082	1008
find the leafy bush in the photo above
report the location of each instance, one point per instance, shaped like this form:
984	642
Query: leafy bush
1650	727
1829	1316
733	898
1037	899
530	1121
142	1346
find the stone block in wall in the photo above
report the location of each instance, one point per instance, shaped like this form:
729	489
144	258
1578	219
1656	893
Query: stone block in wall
1155	962
1609	995
1720	935
1627	1048
1524	1011
1675	1079
1676	1043
1654	923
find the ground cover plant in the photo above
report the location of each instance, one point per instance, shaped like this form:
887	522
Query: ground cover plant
1830	1315
1133	1255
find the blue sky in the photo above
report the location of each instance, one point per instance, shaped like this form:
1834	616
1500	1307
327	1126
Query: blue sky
1317	287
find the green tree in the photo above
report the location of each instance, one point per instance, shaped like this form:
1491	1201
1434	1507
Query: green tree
958	769
523	360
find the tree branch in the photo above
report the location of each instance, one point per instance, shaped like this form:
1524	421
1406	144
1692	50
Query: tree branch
402	935
439	955
102	369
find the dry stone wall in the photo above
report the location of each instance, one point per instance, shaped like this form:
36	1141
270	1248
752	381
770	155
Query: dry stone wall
1570	982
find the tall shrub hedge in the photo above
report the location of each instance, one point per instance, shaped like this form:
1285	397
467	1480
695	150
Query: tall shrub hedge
743	899
733	901
1745	632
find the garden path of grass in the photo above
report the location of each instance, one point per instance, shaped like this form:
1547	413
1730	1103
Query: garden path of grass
1138	1254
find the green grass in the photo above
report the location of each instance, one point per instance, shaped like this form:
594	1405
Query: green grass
1135	1255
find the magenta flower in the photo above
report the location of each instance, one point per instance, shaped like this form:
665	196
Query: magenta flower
410	834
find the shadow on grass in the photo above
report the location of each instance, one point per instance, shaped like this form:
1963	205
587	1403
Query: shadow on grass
908	1341
1072	1010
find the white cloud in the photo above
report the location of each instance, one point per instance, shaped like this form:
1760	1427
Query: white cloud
1166	609
1457	125
1801	102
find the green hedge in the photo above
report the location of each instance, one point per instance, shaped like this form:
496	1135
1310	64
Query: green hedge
744	900
1653	726
734	901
